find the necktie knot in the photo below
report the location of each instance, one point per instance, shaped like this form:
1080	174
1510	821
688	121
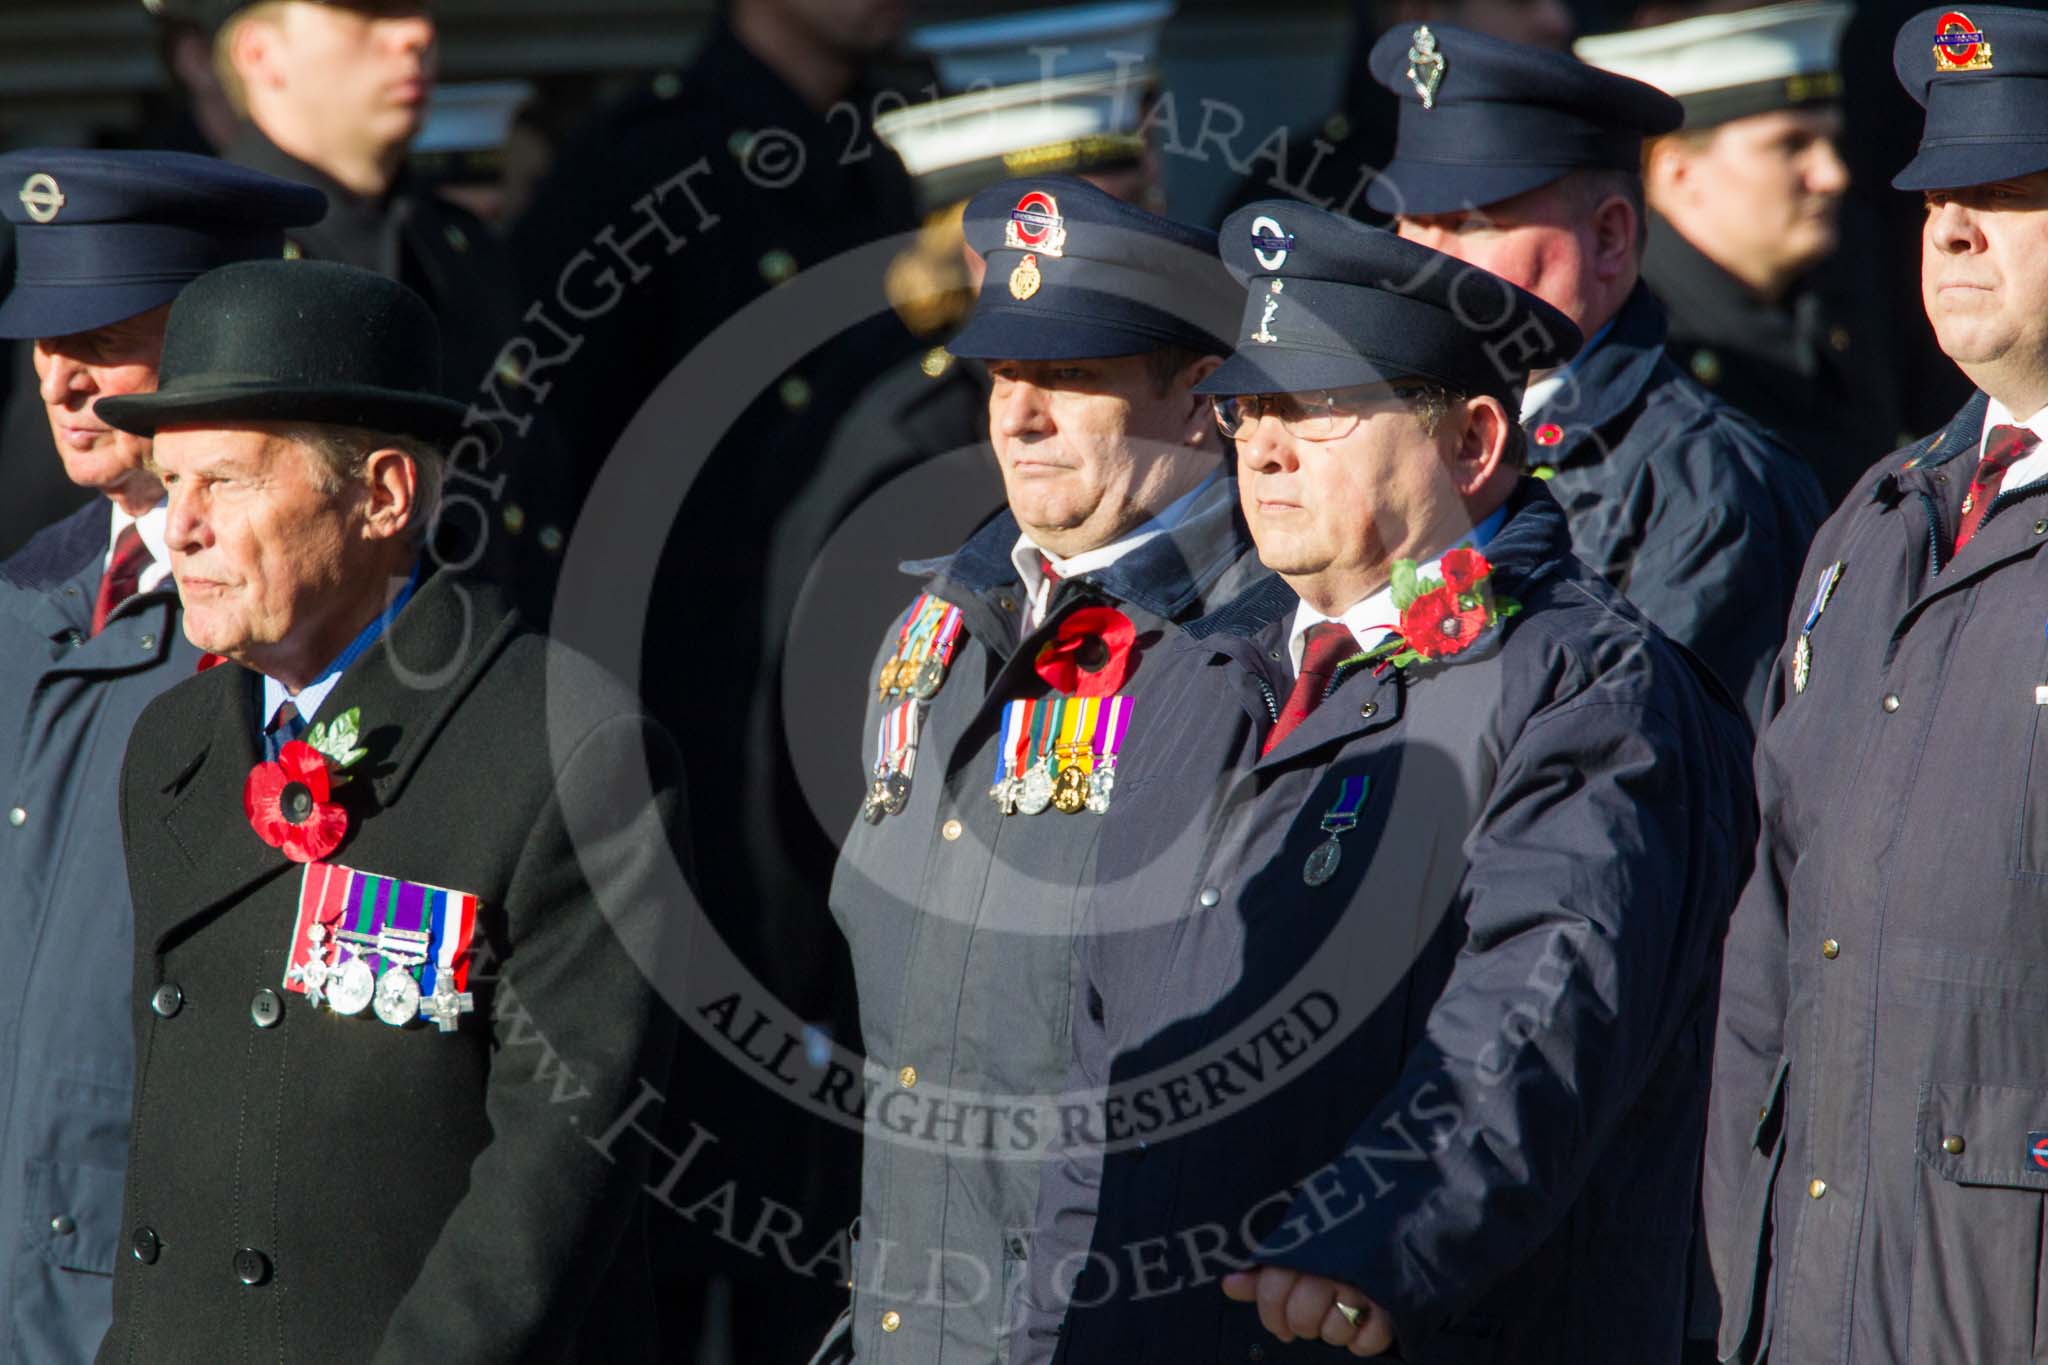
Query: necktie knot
1324	645
123	575
2003	448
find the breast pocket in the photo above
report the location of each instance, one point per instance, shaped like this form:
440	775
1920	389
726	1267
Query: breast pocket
1982	1155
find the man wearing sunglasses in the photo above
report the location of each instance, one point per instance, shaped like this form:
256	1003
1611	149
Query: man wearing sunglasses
1396	981
1526	163
999	700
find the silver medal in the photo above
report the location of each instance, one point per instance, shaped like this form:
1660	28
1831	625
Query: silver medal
1802	664
1102	786
446	1006
398	997
874	806
1322	862
352	988
1036	792
931	676
896	793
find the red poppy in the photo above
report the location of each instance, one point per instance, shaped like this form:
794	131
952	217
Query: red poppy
1435	625
288	807
1090	654
1463	569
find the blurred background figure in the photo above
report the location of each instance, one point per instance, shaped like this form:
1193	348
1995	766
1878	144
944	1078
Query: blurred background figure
1332	162
1766	278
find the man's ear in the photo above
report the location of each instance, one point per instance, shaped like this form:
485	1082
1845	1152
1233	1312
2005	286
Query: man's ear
1483	445
1200	419
1615	228
391	481
250	48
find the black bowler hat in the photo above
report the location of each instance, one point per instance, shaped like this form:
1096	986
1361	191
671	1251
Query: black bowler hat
1335	303
1983	79
1484	119
102	236
1077	274
297	341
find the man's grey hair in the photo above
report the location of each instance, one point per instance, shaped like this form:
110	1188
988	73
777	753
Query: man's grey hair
1431	403
340	455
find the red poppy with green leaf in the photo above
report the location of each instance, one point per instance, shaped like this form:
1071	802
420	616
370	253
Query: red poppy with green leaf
289	801
1442	616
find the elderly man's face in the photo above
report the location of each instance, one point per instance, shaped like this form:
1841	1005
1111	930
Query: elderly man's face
264	558
1331	516
1091	448
1984	280
73	373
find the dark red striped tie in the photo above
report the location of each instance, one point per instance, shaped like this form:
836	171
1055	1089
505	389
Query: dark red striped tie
124	573
2003	448
1326	644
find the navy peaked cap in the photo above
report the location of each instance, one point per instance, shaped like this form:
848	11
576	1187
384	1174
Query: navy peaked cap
102	236
1335	304
1075	273
1484	119
1982	76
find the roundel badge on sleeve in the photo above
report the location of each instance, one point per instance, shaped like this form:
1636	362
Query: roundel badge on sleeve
1035	225
1270	242
1960	45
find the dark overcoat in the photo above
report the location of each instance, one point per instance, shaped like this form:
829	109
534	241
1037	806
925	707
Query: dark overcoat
1462	1073
1689	507
1877	1155
68	700
304	1185
960	922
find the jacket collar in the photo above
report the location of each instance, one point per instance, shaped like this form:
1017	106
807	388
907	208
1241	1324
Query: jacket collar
406	687
1608	383
61	552
1166	576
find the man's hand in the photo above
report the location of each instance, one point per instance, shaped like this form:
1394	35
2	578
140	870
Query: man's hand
1292	1305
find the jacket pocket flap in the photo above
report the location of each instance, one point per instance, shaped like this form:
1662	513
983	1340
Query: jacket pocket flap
1985	1134
74	1214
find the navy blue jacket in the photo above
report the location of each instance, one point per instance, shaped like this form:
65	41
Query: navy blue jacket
1690	507
1464	1073
1875	1160
67	704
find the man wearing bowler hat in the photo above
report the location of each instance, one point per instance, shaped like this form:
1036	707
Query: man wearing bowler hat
1877	1148
88	635
1394	992
399	868
1526	163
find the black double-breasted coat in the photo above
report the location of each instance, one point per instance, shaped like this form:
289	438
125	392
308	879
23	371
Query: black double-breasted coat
309	1186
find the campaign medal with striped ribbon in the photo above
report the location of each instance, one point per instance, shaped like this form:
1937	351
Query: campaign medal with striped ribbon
1342	816
1034	787
895	762
1802	650
1074	756
1112	722
924	650
401	949
1013	735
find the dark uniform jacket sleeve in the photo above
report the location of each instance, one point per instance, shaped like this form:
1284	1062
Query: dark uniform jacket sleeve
1524	1068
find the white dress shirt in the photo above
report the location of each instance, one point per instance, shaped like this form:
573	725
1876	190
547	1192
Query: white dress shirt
1371	619
1038	589
150	526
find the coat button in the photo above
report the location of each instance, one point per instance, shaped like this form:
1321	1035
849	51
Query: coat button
2041	528
1255	1353
950	830
252	1267
1830	949
907	1077
1007	603
1816	1189
1891	702
17	817
1952	1144
63	1225
891	1320
1210	898
266	1009
168	999
144	1246
148	643
1369	710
